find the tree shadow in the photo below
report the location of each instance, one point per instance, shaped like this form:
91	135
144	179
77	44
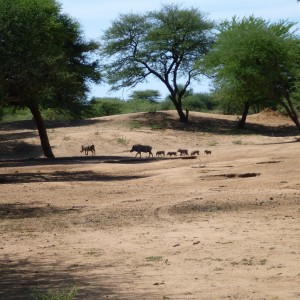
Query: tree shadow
61	176
209	124
34	209
43	271
19	279
75	160
11	144
14	148
21	211
13	136
31	125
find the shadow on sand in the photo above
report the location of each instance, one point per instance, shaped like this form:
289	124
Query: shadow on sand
61	176
20	279
212	125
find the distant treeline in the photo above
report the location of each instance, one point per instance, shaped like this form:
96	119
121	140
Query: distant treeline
99	107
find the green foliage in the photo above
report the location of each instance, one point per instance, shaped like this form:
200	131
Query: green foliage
164	44
137	105
123	141
135	125
65	294
51	74
237	142
112	106
51	114
156	126
154	258
152	96
199	102
167	104
9	114
100	107
45	62
255	63
212	143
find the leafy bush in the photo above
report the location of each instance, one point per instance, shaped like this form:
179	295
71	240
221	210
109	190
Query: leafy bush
199	102
167	104
9	114
139	105
55	115
100	107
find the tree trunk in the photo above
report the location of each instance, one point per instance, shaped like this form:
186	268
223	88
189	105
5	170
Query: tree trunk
42	131
289	108
182	116
242	122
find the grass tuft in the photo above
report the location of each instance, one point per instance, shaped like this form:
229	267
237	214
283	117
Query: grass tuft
64	294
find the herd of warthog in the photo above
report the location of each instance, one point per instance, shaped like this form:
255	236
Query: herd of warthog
138	148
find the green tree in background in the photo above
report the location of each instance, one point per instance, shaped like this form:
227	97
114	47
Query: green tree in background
44	60
253	62
152	96
164	44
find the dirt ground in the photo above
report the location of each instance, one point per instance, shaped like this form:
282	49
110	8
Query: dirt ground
219	226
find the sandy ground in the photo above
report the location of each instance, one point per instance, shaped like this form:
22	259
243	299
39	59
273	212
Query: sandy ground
219	226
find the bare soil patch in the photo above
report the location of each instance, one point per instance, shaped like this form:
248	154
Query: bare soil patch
219	226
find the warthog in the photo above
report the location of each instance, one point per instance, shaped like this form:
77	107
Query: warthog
183	152
172	153
195	152
87	148
160	153
141	148
207	152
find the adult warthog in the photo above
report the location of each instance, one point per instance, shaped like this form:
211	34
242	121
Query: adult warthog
183	152
141	148
87	148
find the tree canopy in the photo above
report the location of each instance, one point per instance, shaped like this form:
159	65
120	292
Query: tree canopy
44	60
164	44
254	61
152	96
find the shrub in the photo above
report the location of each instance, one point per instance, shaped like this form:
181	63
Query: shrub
105	107
200	102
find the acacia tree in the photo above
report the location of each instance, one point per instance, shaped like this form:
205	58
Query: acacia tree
44	60
164	44
254	61
151	96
